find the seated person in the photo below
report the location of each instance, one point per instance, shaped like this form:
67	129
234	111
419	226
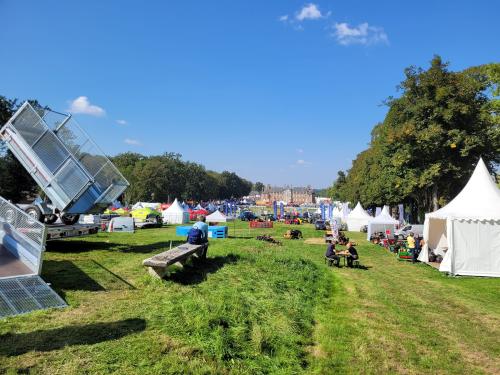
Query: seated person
353	254
333	258
199	233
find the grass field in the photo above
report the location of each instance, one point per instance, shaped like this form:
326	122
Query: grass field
251	308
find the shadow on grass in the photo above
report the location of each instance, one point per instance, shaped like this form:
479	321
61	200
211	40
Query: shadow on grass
198	271
87	275
81	246
12	344
64	274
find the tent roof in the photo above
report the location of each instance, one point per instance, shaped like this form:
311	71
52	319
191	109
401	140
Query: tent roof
217	217
175	208
384	217
359	213
479	199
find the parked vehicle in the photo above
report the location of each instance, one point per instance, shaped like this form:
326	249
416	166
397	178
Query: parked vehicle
247	216
416	229
147	215
268	217
320	225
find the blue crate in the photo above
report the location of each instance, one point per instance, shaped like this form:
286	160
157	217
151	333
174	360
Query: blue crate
217	232
213	231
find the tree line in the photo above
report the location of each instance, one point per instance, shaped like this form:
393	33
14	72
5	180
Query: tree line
424	151
158	178
165	177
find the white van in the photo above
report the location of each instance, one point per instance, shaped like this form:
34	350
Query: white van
416	229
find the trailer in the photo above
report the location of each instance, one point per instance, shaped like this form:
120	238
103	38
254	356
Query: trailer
76	177
59	231
68	166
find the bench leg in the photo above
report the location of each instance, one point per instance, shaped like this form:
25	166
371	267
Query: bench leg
157	272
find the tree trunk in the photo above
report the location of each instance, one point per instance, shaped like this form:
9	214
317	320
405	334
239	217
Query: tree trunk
435	205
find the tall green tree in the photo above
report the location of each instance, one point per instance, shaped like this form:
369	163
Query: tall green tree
430	140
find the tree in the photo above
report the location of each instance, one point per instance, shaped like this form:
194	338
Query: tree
433	134
259	187
16	183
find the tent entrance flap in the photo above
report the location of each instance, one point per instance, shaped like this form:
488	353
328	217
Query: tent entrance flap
20	295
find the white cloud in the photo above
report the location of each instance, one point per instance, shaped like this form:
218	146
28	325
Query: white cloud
132	142
301	162
121	122
309	12
82	105
300	150
362	34
283	18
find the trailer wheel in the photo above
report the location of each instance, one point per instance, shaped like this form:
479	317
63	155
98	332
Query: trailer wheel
34	212
69	219
50	219
10	216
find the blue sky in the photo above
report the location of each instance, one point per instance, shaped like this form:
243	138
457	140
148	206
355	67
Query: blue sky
285	92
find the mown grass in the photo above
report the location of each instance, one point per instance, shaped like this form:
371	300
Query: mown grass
251	307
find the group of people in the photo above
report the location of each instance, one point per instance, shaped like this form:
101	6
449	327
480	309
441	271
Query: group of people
350	253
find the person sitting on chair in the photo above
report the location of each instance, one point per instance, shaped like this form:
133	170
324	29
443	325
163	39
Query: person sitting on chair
353	254
330	254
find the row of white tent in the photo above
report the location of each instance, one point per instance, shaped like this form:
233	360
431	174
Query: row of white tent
466	232
176	214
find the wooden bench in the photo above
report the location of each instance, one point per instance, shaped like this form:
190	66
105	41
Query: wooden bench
157	265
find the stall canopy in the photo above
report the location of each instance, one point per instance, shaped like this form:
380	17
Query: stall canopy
470	224
218	217
381	223
154	206
175	214
357	218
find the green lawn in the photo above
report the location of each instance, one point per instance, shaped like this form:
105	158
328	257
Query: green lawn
251	308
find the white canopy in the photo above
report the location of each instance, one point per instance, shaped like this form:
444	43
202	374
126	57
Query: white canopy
357	218
217	217
382	222
175	214
479	199
471	225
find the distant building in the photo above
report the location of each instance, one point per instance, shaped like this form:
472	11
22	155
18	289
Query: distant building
288	194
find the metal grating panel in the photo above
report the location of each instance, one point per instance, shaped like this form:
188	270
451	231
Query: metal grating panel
51	151
23	224
71	179
28	123
21	295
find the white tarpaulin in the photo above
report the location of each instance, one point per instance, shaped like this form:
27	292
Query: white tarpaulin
357	218
381	223
471	225
175	214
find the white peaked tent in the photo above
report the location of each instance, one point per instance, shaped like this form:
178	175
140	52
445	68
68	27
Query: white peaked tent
337	212
217	217
357	218
471	225
382	222
175	214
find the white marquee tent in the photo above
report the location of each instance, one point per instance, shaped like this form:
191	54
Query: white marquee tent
218	217
382	222
357	218
175	214
471	226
